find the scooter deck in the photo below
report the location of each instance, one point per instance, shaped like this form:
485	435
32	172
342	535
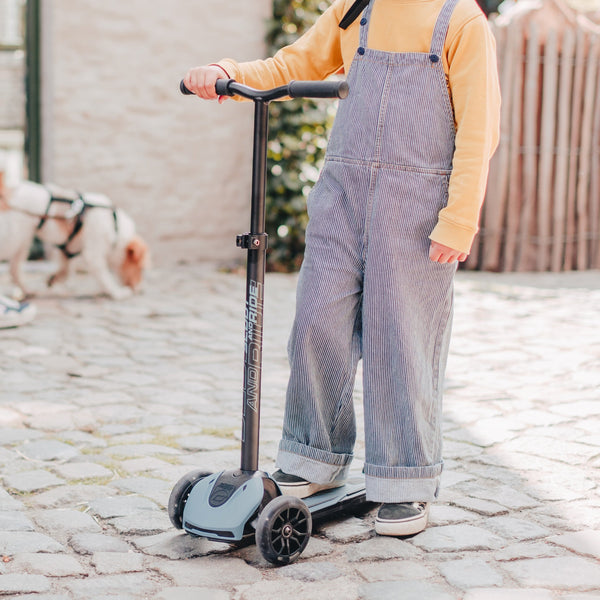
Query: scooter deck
337	500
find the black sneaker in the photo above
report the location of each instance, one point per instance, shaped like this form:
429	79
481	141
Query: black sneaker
406	518
290	485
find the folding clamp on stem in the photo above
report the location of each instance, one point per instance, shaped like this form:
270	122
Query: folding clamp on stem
252	241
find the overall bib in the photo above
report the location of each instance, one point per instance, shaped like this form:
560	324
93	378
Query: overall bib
367	288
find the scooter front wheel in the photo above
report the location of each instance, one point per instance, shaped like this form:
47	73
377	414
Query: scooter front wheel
181	492
283	529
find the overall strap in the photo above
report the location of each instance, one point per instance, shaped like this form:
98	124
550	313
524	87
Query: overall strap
353	13
441	27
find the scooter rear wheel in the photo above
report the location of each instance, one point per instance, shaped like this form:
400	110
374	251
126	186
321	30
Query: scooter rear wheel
180	493
283	529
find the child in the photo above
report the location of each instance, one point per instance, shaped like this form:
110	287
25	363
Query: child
395	209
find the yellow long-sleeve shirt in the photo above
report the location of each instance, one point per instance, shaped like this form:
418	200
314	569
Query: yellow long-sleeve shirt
469	60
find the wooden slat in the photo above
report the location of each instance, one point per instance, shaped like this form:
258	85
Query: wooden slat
595	183
513	204
494	214
472	261
562	150
576	107
530	150
548	126
583	181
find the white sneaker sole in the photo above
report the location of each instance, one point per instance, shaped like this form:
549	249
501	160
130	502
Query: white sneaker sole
403	527
304	490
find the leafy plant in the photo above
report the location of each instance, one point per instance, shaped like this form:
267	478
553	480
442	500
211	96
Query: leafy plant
298	138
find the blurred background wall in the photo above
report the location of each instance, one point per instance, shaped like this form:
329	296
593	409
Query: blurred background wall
113	120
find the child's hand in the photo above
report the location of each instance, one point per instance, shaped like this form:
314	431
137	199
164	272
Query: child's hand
201	81
443	254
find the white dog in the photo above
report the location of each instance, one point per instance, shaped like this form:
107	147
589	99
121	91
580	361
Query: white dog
86	225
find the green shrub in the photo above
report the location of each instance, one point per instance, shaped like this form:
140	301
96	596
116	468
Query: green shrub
298	138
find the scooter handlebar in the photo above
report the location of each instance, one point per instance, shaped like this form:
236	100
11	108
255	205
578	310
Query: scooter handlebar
295	89
318	89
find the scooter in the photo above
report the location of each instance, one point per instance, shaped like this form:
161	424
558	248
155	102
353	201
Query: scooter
235	505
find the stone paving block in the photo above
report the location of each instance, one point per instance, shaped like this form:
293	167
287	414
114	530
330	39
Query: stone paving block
482	507
32	481
66	520
10	436
128	585
310	571
565	573
348	531
202	572
584	596
407	590
14	521
113	563
72	496
528	550
176	545
509	594
208	442
155	489
276	590
440	514
121	506
581	542
137	450
381	548
193	593
457	538
519	529
145	464
470	572
393	570
48	450
8	503
14	542
89	543
51	565
23	584
147	523
505	496
83	470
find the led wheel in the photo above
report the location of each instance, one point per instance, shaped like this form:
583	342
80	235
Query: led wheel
180	493
283	529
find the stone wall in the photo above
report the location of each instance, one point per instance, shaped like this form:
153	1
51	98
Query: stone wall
114	120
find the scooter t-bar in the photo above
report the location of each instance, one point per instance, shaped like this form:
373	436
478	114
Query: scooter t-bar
294	89
255	242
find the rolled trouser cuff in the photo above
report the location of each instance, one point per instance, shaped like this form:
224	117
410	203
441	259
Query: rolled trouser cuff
403	484
312	464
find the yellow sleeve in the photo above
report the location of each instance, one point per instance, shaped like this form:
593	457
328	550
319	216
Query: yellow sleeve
473	81
314	56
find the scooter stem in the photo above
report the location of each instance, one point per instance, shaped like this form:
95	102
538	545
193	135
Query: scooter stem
256	244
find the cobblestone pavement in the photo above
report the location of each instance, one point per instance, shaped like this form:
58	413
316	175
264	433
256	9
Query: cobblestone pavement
104	405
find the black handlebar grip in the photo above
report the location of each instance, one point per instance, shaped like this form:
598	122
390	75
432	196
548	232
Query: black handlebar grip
183	89
222	87
318	89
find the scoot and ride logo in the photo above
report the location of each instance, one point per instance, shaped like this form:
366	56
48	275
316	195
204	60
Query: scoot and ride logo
254	308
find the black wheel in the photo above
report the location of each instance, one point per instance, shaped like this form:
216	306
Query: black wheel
283	529
180	494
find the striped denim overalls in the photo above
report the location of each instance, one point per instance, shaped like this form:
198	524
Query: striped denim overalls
367	288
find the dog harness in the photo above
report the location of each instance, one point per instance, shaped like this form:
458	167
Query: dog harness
78	207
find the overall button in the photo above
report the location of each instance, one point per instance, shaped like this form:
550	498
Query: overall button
361	50
434	58
363	21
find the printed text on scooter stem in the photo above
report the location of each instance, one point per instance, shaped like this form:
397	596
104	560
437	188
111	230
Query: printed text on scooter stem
253	343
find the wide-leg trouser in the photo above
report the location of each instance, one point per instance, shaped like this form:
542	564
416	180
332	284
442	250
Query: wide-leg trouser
368	289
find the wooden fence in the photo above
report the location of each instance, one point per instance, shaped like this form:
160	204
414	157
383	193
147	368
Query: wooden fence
542	210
